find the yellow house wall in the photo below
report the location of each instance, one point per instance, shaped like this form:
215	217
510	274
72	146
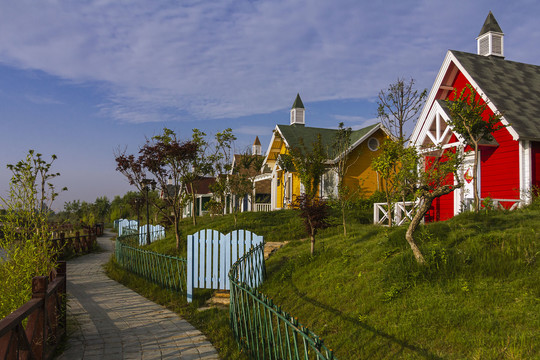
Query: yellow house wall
359	172
282	178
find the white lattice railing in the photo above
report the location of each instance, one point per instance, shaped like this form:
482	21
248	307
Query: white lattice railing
400	213
263	207
497	204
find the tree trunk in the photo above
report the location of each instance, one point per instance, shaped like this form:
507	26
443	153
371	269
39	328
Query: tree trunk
425	199
417	218
475	180
312	244
343	217
193	199
177	231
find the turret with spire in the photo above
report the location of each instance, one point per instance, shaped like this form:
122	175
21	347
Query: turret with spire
256	149
298	112
490	40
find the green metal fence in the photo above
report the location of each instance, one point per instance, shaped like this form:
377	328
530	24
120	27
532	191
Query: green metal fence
261	328
167	271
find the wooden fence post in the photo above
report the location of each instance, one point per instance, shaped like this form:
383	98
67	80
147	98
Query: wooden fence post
61	270
37	325
77	242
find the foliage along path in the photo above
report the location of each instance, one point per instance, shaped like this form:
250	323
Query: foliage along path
106	320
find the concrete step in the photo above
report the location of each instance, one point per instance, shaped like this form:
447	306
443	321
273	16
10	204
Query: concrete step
221	298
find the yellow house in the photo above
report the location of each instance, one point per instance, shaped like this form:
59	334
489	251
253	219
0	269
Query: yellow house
359	176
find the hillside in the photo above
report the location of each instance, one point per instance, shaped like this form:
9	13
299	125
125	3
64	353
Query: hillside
478	297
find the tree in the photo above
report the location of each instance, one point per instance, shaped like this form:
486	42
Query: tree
398	105
242	179
314	212
101	208
200	166
221	160
309	164
471	119
341	145
26	232
388	165
430	178
165	159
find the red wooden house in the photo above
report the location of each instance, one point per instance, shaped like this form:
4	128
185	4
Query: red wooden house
509	165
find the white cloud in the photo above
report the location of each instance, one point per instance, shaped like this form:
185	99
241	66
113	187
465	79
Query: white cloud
222	59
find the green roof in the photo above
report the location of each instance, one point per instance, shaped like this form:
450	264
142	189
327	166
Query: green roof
293	134
490	25
513	87
298	103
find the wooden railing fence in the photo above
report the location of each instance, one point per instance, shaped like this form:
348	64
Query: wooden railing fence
35	329
79	243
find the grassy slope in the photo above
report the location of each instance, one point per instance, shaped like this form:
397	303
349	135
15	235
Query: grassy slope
479	297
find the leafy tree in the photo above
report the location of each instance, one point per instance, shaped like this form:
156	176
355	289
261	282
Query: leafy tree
26	232
470	119
164	159
388	164
309	164
341	146
314	212
430	180
242	179
101	208
399	104
221	160
200	166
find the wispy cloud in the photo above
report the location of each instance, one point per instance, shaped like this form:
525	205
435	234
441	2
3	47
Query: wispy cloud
42	100
217	59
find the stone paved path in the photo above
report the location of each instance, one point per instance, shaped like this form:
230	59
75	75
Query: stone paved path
106	320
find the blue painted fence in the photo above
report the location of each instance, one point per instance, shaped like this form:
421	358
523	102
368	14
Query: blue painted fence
211	255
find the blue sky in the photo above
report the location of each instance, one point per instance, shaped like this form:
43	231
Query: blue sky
82	78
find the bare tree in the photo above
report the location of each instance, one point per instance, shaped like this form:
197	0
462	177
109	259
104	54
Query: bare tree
399	104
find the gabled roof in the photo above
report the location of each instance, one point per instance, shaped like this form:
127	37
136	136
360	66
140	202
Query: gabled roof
512	87
292	134
490	25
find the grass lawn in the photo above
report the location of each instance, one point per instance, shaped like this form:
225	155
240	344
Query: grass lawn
478	297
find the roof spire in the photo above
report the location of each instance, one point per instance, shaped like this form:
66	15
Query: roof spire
490	41
490	24
256	148
298	102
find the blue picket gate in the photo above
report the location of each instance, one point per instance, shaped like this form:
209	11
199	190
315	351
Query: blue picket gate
210	255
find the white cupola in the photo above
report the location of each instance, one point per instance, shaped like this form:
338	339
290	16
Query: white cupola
298	112
491	39
256	149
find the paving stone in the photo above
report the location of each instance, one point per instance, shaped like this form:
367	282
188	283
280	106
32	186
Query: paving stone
106	320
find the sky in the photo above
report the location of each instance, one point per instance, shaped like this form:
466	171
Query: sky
83	79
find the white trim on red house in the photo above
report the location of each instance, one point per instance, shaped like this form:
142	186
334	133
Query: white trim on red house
525	170
438	84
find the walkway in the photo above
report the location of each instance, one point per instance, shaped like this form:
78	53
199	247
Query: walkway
106	320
